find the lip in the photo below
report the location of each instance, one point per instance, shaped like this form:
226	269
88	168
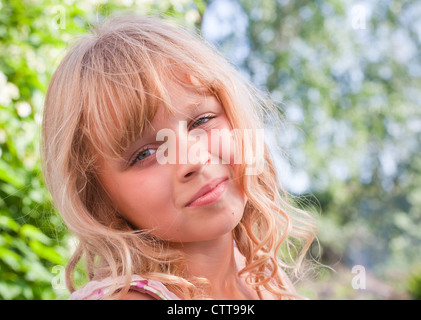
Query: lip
209	193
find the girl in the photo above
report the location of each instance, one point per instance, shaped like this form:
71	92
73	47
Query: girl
149	229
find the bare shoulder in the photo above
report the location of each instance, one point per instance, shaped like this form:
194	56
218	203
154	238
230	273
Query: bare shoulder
135	295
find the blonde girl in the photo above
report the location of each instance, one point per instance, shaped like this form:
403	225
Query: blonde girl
150	229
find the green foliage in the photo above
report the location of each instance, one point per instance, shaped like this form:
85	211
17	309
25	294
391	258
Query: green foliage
33	38
414	286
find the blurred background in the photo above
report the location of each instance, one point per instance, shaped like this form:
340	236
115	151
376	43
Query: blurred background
346	76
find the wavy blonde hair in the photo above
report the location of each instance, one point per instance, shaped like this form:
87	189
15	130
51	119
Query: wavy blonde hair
100	99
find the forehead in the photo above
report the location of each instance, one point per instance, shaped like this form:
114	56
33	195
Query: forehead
184	102
183	99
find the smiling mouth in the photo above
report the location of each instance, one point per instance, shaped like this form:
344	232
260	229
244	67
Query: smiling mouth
210	193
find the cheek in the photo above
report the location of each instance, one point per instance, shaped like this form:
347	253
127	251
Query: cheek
138	197
222	145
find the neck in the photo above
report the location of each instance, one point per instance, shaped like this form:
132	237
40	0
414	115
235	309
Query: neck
215	260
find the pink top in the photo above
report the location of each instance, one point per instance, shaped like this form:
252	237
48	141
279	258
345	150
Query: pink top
94	290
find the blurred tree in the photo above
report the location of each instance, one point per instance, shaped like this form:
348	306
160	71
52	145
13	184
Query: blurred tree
33	37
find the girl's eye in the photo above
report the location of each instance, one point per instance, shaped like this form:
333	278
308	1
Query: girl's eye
200	120
142	155
147	152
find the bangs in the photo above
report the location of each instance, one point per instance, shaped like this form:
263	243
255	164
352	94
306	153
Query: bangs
121	97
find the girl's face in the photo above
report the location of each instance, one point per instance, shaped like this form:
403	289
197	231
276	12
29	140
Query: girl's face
155	196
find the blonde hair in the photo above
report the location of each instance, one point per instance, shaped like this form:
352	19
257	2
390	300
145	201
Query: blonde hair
102	96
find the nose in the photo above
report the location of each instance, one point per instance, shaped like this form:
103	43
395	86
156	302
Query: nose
185	172
197	157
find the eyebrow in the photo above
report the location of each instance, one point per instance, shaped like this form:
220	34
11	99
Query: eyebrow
191	108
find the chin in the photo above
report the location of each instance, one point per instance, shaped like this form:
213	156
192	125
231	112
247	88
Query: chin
224	226
212	230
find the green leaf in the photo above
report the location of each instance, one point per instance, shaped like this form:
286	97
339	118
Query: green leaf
9	291
12	259
34	233
45	252
8	175
9	223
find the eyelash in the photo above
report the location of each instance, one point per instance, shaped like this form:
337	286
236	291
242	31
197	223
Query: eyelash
206	116
135	161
